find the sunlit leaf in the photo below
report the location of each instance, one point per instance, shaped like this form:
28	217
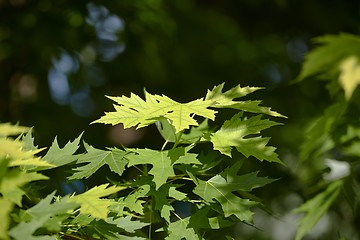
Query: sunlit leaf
10	186
227	100
349	75
236	133
134	111
7	129
92	203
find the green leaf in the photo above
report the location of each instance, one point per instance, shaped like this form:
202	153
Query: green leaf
90	202
127	223
96	158
332	50
25	230
218	188
167	131
47	207
162	161
162	165
179	230
349	75
221	188
316	207
10	186
200	219
318	139
134	111
61	156
5	209
233	132
133	202
13	150
7	129
226	100
162	203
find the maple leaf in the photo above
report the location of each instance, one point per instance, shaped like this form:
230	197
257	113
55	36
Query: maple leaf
133	201
316	207
179	230
221	188
162	161
195	134
7	129
161	199
332	50
13	150
25	230
6	207
226	100
47	207
200	219
127	223
90	202
233	132
349	75
134	111
61	156
10	186
217	188
96	158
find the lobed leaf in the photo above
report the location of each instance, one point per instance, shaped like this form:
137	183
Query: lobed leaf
316	207
97	158
91	202
235	133
226	100
134	111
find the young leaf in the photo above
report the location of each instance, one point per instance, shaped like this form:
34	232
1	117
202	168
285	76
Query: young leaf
332	50
233	132
90	202
96	158
226	100
10	186
316	207
349	75
134	111
13	150
7	129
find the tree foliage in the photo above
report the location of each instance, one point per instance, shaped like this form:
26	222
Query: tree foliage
146	204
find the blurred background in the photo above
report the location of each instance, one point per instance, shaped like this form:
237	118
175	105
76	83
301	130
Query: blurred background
58	59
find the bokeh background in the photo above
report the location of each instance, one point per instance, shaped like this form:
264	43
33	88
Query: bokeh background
58	59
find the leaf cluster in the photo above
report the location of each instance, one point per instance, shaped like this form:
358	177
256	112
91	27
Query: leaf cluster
146	205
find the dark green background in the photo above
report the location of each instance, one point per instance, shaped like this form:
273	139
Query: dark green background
179	48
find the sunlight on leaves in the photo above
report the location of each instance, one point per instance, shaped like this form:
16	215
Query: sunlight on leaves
91	202
349	75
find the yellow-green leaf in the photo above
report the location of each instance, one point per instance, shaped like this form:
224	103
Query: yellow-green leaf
134	111
350	75
91	202
6	129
